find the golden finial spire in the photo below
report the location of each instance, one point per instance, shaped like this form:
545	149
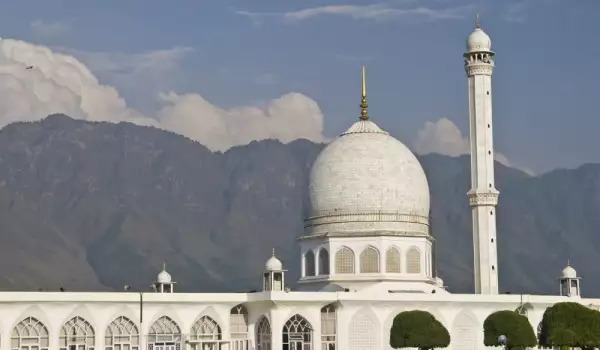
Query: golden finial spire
363	103
477	23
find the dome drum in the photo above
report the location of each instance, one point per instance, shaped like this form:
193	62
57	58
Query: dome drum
373	223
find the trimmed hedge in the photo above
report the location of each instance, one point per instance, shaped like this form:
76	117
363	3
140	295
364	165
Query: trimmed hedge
418	329
570	324
515	327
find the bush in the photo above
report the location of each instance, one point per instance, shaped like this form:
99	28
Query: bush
570	324
418	329
515	327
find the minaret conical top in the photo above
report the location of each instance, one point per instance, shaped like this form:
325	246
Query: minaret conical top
363	103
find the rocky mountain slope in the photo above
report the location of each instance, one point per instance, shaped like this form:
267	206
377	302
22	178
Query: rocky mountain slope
95	206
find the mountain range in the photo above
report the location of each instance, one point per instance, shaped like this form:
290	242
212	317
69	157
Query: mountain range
96	206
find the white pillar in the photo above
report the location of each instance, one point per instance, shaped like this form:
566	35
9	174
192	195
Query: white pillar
483	196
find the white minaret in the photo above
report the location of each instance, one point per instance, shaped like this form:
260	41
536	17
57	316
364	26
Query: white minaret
483	195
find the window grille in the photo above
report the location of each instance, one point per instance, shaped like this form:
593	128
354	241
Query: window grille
328	328
77	334
344	261
413	261
30	334
239	328
263	334
122	334
369	260
363	334
393	264
297	334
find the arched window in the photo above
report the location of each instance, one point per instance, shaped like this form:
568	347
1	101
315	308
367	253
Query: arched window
263	334
297	334
205	334
369	260
77	334
30	334
323	262
122	334
309	263
164	334
328	327
238	324
392	260
344	260
413	260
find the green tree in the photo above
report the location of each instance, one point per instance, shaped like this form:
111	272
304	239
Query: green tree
418	329
570	324
515	327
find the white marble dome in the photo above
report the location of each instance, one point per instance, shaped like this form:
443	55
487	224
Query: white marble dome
365	179
479	41
164	277
273	264
569	272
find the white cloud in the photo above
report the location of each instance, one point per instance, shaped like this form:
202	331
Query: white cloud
287	118
444	137
59	83
53	29
376	12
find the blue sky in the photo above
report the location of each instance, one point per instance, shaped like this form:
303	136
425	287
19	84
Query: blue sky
235	52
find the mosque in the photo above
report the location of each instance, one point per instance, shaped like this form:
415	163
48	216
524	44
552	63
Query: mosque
366	255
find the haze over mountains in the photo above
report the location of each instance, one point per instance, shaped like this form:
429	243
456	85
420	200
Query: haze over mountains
95	206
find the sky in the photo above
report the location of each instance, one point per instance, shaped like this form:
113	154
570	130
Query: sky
226	72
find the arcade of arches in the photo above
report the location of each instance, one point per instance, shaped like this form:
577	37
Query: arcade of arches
317	264
165	334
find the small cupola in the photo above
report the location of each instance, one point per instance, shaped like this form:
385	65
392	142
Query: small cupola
569	282
164	282
273	274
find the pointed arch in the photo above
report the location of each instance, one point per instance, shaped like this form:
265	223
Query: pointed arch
77	333
413	260
121	334
328	327
393	260
204	329
263	334
465	330
323	261
364	332
238	328
30	334
299	332
369	260
164	331
344	260
309	263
